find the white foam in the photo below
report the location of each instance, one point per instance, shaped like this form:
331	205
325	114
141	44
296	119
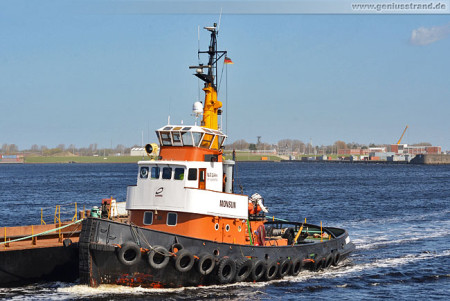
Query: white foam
112	289
362	245
373	237
343	270
388	262
396	219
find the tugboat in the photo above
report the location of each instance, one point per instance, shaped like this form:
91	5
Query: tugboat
187	227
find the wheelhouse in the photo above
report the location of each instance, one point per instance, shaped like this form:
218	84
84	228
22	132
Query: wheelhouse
194	136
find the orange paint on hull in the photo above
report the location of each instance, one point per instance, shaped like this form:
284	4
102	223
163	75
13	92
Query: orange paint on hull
220	229
185	153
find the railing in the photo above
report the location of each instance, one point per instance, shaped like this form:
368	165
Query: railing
61	213
60	216
33	237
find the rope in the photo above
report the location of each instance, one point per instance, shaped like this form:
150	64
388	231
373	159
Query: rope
65	205
141	235
74	230
42	233
278	219
221	76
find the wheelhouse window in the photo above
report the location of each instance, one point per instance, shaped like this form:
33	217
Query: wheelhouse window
167	173
221	140
187	138
197	138
179	173
192	174
165	139
214	144
176	139
207	139
148	218
171	219
155	172
143	173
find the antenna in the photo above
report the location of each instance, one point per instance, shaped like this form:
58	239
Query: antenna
198	43
198	56
220	18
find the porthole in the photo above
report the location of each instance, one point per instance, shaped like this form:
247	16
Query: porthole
216	226
148	218
216	252
171	219
227	228
144	173
239	228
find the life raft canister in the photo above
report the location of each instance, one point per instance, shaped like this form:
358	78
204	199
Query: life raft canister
253	208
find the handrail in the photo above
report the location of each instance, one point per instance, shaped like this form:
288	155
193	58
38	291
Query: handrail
57	213
42	233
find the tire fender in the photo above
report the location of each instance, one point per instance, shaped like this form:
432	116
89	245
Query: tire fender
329	261
296	267
206	264
284	268
158	257
129	253
258	270
226	270
243	269
336	259
184	261
271	270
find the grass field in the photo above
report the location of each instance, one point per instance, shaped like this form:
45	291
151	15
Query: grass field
128	159
85	159
246	156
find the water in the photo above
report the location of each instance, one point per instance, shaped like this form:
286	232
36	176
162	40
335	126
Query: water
397	215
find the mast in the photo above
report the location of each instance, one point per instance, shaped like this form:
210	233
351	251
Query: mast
211	106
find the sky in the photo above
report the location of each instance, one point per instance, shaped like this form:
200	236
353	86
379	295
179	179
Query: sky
111	72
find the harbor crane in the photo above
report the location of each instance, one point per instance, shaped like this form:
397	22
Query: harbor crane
401	137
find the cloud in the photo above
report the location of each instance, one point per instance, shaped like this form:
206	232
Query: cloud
424	36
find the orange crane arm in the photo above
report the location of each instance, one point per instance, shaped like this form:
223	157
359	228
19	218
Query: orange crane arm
399	140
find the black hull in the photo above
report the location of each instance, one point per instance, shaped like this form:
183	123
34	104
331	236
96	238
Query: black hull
100	261
19	267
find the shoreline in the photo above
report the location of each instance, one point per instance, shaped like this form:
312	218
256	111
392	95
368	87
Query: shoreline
420	159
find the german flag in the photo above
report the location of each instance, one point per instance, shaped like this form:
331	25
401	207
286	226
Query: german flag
228	60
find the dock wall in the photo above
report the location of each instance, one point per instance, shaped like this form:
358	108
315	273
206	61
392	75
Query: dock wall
431	159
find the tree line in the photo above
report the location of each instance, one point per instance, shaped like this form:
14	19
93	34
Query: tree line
62	149
294	146
282	147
